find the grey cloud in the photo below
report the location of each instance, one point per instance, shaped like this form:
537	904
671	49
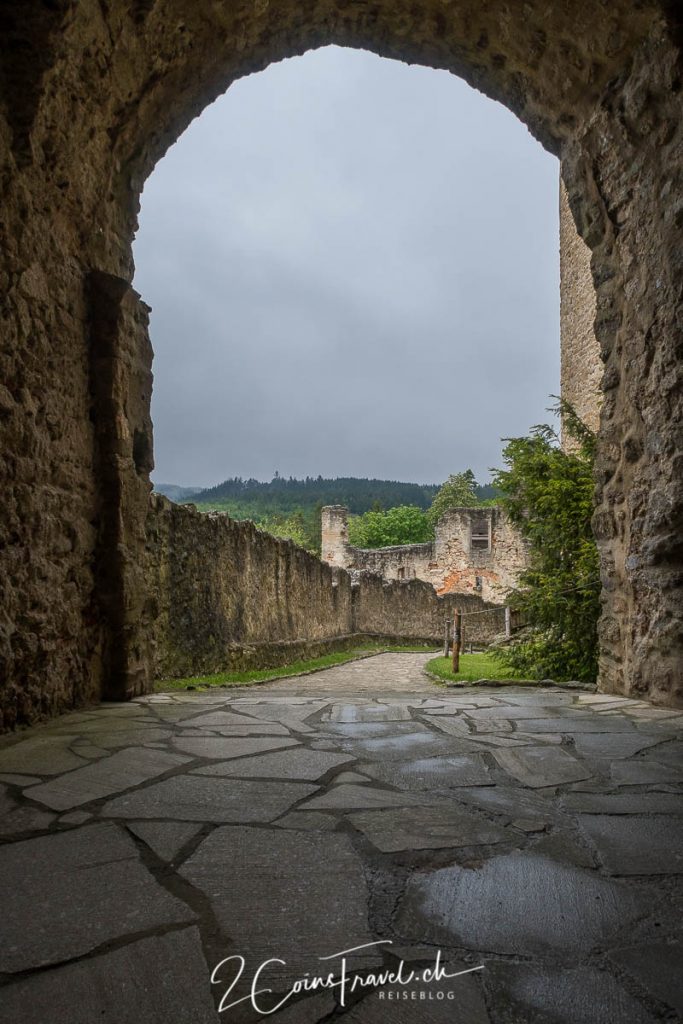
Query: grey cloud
353	269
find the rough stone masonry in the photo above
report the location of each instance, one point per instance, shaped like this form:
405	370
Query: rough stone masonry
93	94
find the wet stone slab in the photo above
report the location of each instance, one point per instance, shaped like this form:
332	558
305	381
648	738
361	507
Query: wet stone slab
307	820
226	747
405	747
624	803
644	773
636	844
347	713
519	903
350	777
20	780
486	740
299	896
120	771
612	745
7	801
123	738
453	726
195	798
509	802
107	723
575	724
213	719
657	968
85	749
493	726
20	820
165	838
293	716
75	818
345	796
248	729
370	809
370	730
154	981
226	723
510	713
48	755
549	995
63	895
287	764
433	772
669	752
426	828
537	767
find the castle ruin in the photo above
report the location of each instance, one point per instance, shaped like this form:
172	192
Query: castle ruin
474	551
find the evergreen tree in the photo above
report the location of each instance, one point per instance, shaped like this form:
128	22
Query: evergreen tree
459	491
548	494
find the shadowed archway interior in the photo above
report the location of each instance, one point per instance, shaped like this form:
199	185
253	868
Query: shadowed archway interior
95	94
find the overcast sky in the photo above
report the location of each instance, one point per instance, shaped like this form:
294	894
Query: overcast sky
353	270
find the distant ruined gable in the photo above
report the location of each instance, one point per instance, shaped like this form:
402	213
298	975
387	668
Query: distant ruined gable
474	551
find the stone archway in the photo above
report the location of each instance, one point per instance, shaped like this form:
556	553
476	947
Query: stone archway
94	93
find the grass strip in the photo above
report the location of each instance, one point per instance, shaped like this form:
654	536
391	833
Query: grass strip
473	667
488	670
253	677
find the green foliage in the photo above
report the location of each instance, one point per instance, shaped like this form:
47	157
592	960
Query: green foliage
292	527
405	524
282	495
290	508
548	494
301	526
472	668
459	491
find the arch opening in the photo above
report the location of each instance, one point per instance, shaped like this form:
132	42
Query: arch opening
599	88
353	271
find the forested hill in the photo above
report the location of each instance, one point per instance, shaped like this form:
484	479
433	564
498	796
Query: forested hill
284	495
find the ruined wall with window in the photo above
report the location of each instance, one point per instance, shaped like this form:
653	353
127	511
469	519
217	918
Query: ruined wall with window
474	551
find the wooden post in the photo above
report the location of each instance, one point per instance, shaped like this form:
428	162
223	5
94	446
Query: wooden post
457	632
445	638
507	622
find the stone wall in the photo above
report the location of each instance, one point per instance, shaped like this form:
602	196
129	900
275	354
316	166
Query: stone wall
228	595
413	608
219	583
453	562
580	361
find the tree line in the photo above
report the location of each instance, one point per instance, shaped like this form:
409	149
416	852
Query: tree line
287	494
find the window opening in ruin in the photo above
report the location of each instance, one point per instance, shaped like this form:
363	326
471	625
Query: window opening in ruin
480	534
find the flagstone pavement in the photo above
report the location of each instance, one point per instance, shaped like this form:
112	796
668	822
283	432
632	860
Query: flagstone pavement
532	838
